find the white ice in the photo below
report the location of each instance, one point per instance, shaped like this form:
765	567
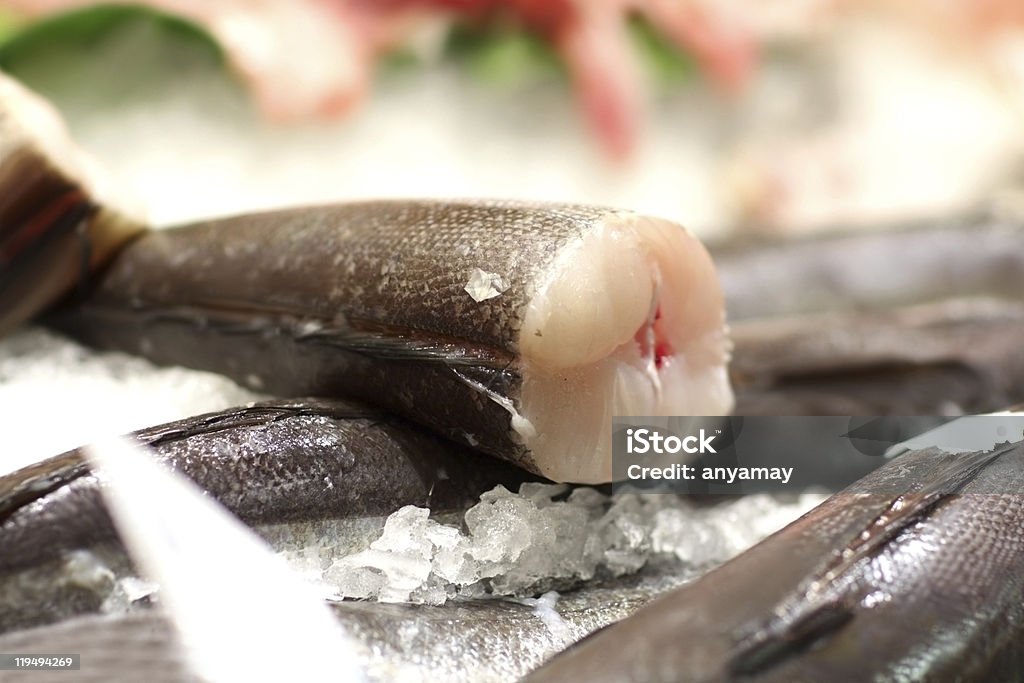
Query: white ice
522	544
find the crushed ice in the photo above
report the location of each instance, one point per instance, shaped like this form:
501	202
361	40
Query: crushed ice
127	594
483	285
56	395
539	539
544	608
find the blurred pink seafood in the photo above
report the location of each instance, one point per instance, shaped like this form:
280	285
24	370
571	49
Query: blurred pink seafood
591	36
308	58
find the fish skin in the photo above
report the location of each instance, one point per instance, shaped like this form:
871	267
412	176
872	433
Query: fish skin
955	355
362	300
460	642
923	317
270	463
978	254
913	573
336	318
135	647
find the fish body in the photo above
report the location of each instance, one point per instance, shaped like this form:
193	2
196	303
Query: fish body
916	319
952	356
460	642
979	254
913	573
274	462
515	328
287	468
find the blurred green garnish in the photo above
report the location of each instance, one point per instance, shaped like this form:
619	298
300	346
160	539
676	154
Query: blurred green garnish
131	47
88	27
509	55
503	54
668	64
10	23
116	52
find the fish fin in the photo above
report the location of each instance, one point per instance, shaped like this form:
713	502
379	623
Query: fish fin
366	338
31	483
809	614
774	643
947	478
406	345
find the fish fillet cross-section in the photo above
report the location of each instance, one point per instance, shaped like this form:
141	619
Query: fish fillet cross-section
520	329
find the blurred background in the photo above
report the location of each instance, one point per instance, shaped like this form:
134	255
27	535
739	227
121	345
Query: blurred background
766	116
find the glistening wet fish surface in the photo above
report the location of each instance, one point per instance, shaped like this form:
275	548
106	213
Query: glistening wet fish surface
270	464
515	328
913	573
492	641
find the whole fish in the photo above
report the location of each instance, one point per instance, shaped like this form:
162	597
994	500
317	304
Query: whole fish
515	328
921	318
275	465
915	573
58	220
978	254
947	357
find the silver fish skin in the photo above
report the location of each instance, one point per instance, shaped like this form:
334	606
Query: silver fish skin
461	642
270	463
915	573
502	325
289	469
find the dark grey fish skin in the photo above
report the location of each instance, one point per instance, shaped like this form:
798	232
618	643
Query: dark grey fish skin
980	254
914	319
915	573
948	357
134	647
340	301
369	301
274	462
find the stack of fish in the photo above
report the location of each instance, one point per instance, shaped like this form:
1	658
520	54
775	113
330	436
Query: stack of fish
455	346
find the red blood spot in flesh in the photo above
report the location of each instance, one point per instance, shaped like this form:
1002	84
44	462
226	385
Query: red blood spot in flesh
662	349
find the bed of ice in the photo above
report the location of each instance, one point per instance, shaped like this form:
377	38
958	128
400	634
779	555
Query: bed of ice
56	395
548	536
